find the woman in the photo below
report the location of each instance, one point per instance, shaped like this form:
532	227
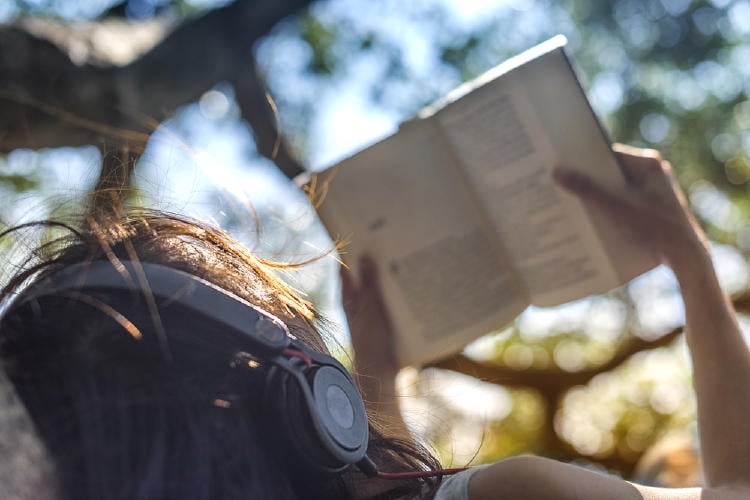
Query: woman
158	411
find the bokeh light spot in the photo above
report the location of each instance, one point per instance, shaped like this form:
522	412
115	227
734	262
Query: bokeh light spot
655	127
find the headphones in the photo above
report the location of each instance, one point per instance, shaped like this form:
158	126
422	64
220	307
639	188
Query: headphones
309	395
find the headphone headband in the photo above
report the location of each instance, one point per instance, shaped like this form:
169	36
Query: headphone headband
266	334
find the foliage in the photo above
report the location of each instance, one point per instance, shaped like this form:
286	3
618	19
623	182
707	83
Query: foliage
18	183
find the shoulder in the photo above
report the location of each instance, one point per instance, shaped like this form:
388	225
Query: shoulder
456	487
545	479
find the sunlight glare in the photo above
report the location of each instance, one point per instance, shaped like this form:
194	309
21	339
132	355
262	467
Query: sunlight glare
470	396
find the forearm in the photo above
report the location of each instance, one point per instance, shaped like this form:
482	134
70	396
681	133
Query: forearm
545	479
721	370
375	362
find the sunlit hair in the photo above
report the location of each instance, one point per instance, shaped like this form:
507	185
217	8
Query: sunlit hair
122	421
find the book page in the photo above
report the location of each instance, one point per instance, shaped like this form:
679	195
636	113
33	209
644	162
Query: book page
579	142
443	279
506	153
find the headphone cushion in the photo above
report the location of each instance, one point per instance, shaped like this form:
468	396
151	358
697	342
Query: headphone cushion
340	437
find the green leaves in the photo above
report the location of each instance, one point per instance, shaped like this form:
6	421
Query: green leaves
320	39
19	183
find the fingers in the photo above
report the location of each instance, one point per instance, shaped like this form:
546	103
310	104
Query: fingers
637	152
348	286
354	292
349	291
638	164
577	183
586	189
368	273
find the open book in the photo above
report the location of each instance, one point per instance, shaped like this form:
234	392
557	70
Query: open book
459	210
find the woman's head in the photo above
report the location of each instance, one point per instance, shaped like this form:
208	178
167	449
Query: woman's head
124	419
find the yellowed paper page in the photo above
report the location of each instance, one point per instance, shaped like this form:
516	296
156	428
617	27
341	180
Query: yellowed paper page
576	137
508	156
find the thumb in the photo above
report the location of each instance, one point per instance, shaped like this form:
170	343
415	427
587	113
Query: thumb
349	290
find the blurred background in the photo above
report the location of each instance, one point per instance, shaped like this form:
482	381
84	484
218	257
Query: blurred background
179	90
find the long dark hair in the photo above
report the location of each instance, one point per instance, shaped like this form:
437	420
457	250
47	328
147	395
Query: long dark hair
122	421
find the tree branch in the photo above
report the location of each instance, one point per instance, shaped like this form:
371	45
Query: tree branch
48	101
258	110
550	380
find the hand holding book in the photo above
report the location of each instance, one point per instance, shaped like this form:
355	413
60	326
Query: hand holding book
653	212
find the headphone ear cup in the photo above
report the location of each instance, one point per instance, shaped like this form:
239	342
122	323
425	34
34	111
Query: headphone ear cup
321	414
341	412
289	413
